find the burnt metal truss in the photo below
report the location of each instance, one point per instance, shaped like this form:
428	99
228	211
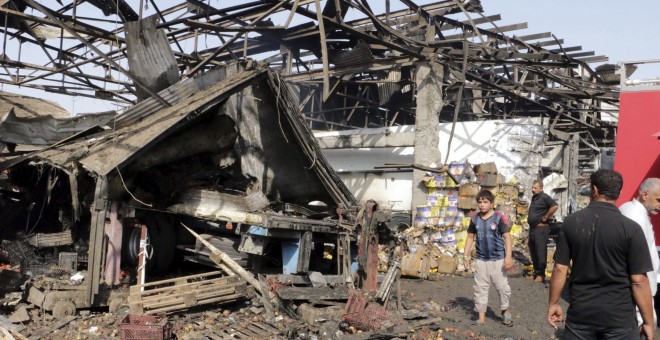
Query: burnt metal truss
352	67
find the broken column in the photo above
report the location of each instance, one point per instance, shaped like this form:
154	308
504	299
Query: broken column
428	81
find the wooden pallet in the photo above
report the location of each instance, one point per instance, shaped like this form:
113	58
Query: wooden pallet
254	330
185	292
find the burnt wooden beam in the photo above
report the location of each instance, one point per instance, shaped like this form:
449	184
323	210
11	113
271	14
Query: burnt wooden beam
313	293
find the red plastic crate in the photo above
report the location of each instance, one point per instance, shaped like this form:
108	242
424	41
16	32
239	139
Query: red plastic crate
145	327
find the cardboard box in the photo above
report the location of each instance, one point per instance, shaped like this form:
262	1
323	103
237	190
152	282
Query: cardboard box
467	203
508	191
447	264
490	180
469	190
485	168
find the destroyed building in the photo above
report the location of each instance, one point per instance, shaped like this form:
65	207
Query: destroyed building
218	104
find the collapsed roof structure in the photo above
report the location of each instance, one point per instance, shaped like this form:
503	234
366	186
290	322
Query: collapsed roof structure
213	118
351	73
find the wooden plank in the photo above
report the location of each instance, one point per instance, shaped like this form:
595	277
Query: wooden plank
212	291
183	306
196	276
257	330
225	280
318	293
304	252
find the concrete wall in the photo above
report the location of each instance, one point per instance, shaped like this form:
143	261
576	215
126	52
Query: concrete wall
514	145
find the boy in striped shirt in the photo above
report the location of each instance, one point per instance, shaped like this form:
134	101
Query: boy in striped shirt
489	232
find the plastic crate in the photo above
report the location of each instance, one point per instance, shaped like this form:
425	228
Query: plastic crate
145	327
68	260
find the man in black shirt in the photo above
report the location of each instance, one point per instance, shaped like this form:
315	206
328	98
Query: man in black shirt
609	264
540	211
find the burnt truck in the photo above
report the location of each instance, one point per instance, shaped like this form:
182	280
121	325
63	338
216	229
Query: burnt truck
226	154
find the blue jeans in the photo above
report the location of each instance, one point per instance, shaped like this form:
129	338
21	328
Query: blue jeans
582	332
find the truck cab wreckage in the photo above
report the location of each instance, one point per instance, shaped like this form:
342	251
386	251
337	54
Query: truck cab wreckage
229	159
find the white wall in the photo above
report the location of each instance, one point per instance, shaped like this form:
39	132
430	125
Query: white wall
477	142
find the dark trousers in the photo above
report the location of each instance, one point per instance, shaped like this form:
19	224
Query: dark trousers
582	332
538	249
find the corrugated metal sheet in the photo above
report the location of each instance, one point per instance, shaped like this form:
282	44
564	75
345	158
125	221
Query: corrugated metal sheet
102	154
46	130
172	95
385	90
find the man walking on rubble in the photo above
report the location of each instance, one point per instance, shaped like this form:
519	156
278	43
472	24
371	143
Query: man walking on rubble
541	209
639	209
609	263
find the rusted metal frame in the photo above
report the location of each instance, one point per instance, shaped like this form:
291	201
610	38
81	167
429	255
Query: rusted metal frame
488	83
162	17
78	28
121	29
507	28
334	110
48	88
337	71
344	125
204	62
137	81
348	117
386	29
82	77
377	24
24	65
572	82
338	14
292	12
595	59
499	54
307	98
459	96
224	12
212	27
548	43
337	190
324	51
397	17
362	35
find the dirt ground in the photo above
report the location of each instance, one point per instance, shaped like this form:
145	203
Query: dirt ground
529	303
444	303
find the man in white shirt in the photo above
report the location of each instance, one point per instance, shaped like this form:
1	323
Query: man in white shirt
639	209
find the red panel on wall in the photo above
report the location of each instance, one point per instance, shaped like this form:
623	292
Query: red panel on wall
637	147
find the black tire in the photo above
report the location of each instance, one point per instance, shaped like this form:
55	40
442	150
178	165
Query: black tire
399	222
63	309
163	243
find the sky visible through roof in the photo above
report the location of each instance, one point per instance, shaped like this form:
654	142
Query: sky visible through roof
622	31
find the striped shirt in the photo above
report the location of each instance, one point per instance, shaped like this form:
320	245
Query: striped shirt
489	241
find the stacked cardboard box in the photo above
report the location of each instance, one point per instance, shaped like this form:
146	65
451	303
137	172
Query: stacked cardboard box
438	236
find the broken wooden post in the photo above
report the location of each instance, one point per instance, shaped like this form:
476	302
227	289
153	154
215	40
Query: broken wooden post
221	258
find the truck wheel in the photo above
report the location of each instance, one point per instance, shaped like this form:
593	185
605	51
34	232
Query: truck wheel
163	241
399	222
64	309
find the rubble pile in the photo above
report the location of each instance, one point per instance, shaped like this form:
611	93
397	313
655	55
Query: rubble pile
435	242
309	317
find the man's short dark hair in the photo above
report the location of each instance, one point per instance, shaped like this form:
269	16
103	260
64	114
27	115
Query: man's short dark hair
487	195
608	182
